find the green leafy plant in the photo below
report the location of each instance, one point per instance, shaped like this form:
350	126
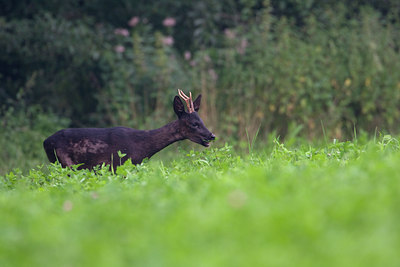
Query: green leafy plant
299	198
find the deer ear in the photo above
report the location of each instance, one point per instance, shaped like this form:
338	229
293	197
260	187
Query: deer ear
178	106
196	103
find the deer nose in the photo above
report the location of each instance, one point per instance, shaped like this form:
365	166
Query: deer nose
212	137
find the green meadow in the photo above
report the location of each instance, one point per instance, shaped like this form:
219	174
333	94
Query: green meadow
335	204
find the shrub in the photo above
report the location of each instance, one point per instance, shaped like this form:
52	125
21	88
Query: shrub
23	130
271	75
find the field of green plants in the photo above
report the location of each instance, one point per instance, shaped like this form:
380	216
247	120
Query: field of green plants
333	204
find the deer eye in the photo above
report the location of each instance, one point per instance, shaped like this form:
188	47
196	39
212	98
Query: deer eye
195	125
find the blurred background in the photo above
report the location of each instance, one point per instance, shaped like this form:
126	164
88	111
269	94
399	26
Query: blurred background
304	68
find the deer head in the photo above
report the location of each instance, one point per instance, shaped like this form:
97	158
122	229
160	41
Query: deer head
190	124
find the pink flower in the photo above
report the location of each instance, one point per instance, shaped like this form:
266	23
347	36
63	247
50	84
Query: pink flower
187	55
119	49
207	58
133	21
229	34
120	31
242	46
169	22
67	206
168	40
193	63
213	74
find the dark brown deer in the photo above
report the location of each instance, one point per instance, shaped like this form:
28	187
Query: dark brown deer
94	146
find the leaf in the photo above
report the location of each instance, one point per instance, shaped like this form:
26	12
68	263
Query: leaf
120	154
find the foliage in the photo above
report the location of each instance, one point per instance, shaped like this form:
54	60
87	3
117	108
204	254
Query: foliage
142	79
265	68
338	73
332	64
23	129
54	61
331	205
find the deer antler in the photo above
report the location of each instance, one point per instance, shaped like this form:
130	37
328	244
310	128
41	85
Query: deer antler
187	99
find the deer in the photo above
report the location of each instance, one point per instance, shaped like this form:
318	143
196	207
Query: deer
90	147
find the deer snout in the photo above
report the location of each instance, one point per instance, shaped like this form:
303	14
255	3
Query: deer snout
212	137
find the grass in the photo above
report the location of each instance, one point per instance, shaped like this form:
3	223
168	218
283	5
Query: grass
331	205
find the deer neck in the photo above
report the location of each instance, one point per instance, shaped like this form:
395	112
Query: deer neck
163	137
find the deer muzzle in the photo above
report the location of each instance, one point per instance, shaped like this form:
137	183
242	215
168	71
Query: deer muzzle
206	142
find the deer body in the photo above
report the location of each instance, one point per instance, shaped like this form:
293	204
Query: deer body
95	146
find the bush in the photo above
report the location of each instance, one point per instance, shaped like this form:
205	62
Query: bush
55	61
264	68
339	73
23	130
142	73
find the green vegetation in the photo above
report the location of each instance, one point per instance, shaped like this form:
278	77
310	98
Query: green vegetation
22	132
267	65
332	205
281	67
